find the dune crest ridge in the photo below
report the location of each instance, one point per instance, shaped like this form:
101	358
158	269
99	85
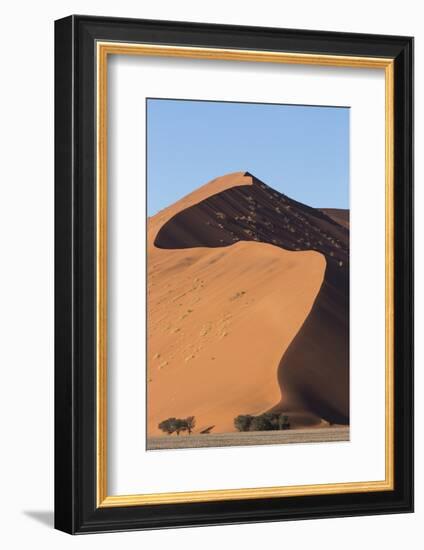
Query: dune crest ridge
247	307
200	194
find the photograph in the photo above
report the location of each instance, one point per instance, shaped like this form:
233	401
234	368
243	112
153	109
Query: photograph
247	273
233	263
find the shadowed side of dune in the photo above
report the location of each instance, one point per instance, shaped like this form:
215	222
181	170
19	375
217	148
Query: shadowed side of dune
314	370
254	212
339	215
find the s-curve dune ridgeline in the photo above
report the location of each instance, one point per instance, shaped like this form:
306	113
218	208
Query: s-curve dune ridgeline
248	309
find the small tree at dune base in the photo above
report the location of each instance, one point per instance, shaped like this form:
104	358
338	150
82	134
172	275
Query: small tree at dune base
283	422
242	422
262	423
177	425
168	426
190	422
180	426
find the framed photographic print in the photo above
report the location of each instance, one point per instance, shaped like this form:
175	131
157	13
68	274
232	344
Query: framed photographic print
233	274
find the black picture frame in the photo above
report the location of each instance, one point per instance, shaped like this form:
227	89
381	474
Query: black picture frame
76	508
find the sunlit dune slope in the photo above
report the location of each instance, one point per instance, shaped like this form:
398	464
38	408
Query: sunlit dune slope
218	322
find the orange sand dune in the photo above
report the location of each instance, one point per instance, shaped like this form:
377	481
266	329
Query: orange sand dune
216	334
339	215
155	223
247	307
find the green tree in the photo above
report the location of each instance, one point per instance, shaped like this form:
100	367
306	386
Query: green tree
177	425
180	426
272	419
190	422
283	422
168	426
260	423
242	422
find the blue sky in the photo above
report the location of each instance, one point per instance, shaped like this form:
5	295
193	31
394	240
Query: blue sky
301	151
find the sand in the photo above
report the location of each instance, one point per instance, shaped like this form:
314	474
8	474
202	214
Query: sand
246	302
238	439
339	215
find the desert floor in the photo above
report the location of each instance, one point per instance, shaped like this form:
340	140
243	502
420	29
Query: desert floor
314	435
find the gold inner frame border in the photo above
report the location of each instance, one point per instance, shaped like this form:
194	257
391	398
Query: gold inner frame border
103	50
